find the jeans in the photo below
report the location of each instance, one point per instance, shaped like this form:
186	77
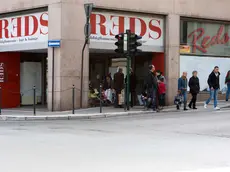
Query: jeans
228	91
184	95
213	95
152	100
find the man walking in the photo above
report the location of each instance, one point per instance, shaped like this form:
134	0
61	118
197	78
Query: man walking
151	87
214	86
118	85
182	88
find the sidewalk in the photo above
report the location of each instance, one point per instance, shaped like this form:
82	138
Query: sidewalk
22	114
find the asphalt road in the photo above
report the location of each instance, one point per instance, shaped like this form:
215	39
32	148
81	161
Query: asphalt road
165	142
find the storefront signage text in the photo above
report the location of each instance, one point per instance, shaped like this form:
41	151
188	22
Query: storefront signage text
2	73
206	40
27	28
104	26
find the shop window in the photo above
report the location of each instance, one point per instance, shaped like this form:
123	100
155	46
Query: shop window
205	38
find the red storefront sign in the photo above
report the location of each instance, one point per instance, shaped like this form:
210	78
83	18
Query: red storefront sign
146	27
206	40
23	26
105	25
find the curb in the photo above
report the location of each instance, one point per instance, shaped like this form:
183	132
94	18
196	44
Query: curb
71	116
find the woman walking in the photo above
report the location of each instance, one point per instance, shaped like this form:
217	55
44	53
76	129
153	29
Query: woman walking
227	81
194	86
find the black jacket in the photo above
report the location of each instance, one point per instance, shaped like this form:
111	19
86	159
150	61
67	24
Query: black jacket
214	81
150	83
194	85
118	81
133	82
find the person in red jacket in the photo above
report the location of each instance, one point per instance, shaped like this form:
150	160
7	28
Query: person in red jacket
161	91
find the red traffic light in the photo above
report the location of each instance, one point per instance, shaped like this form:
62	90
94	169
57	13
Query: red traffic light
120	36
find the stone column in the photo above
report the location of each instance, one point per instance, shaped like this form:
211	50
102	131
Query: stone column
172	55
68	57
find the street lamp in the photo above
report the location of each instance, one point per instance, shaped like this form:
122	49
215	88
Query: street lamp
87	31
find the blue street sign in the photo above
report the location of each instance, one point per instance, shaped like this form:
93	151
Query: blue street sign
54	43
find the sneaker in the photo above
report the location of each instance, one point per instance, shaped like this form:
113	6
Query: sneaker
217	108
205	106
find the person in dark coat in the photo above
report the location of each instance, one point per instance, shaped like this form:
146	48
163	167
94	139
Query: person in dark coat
214	86
132	88
151	87
182	89
227	81
118	84
194	86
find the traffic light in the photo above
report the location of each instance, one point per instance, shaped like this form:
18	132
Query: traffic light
120	43
134	43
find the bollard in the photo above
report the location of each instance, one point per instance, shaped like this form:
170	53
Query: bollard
34	106
100	98
73	100
0	100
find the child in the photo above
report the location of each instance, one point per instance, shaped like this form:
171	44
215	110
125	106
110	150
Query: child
178	100
161	91
144	99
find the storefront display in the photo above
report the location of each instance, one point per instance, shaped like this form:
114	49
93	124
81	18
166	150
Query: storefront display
209	46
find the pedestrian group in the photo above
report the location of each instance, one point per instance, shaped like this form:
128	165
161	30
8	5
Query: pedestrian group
154	90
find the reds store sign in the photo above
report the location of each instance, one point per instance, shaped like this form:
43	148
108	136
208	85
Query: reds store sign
24	29
104	26
214	41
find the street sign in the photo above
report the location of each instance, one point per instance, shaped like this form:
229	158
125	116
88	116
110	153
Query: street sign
88	9
54	43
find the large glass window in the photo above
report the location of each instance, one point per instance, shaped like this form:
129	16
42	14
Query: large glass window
205	38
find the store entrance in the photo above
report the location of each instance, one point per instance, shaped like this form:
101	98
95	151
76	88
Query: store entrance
104	63
33	72
19	73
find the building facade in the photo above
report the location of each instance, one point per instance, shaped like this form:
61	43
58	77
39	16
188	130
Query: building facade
177	35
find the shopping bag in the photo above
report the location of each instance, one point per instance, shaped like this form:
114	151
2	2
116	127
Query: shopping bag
139	97
108	94
121	98
224	90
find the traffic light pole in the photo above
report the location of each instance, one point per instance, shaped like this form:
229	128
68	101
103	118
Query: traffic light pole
128	32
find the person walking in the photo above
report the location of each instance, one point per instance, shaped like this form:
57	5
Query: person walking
194	86
151	87
214	86
182	89
118	85
132	87
227	81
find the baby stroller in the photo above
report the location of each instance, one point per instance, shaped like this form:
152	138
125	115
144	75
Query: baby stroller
178	101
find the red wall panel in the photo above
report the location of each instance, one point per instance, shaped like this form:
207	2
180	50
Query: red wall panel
11	84
159	61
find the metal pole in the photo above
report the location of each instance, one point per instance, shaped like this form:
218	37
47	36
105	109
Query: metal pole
100	98
34	89
53	80
82	68
125	99
73	96
128	68
0	100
